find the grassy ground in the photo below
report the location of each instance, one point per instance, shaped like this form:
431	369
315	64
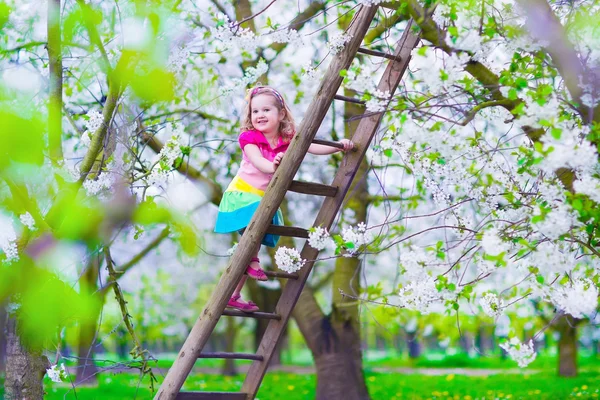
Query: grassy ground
381	387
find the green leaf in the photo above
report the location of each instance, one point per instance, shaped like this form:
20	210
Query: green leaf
21	138
4	13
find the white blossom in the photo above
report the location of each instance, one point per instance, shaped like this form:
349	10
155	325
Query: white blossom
580	298
522	353
338	42
169	153
231	250
104	181
588	185
57	374
250	77
94	121
178	58
369	3
233	35
319	238
419	295
288	260
28	221
357	236
8	240
310	72
492	243
492	305
290	36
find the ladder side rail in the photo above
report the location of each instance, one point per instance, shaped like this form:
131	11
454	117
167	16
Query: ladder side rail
273	197
364	134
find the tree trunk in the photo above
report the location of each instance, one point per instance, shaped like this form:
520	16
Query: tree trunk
339	364
25	368
567	346
336	351
229	368
412	342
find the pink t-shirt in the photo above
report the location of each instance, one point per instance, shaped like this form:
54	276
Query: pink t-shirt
248	172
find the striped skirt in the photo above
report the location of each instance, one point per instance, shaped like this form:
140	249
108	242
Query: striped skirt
237	207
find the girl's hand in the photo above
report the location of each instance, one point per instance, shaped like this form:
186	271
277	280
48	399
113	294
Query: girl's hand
348	145
277	160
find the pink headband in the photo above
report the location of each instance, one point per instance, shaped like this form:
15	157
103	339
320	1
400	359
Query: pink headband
256	90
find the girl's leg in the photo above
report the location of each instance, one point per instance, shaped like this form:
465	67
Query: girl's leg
239	287
255	264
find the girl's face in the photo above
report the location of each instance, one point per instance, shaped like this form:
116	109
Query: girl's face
265	115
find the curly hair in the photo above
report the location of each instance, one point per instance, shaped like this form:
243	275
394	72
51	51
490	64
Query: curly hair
287	127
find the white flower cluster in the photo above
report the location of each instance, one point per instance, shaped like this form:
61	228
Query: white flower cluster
178	59
319	238
492	305
419	295
28	221
104	181
580	298
57	374
338	42
250	77
588	185
232	35
170	152
357	236
369	3
558	221
522	353
290	36
94	122
310	72
288	260
492	243
231	250
8	239
378	101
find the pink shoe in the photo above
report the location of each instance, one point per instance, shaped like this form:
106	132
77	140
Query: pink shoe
258	274
234	302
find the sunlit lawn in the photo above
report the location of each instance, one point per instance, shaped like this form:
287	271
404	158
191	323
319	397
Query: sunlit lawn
381	387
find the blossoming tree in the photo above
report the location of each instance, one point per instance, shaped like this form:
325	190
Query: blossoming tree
483	182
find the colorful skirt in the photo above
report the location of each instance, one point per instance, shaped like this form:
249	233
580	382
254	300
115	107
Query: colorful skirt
237	207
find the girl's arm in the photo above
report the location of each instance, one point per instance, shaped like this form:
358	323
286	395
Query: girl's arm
256	158
321	149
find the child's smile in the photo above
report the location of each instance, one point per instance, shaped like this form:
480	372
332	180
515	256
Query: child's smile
265	115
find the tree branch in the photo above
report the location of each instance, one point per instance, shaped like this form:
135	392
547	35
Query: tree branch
138	350
186	169
543	24
188	111
55	102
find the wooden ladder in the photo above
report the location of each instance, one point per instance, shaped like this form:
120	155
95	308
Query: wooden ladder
283	181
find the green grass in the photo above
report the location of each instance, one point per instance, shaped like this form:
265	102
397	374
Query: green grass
545	361
381	387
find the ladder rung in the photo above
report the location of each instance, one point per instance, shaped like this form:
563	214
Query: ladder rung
317	189
235	356
378	54
257	315
288	231
332	144
349	99
211	396
277	274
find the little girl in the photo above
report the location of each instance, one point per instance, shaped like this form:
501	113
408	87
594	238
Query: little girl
267	128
